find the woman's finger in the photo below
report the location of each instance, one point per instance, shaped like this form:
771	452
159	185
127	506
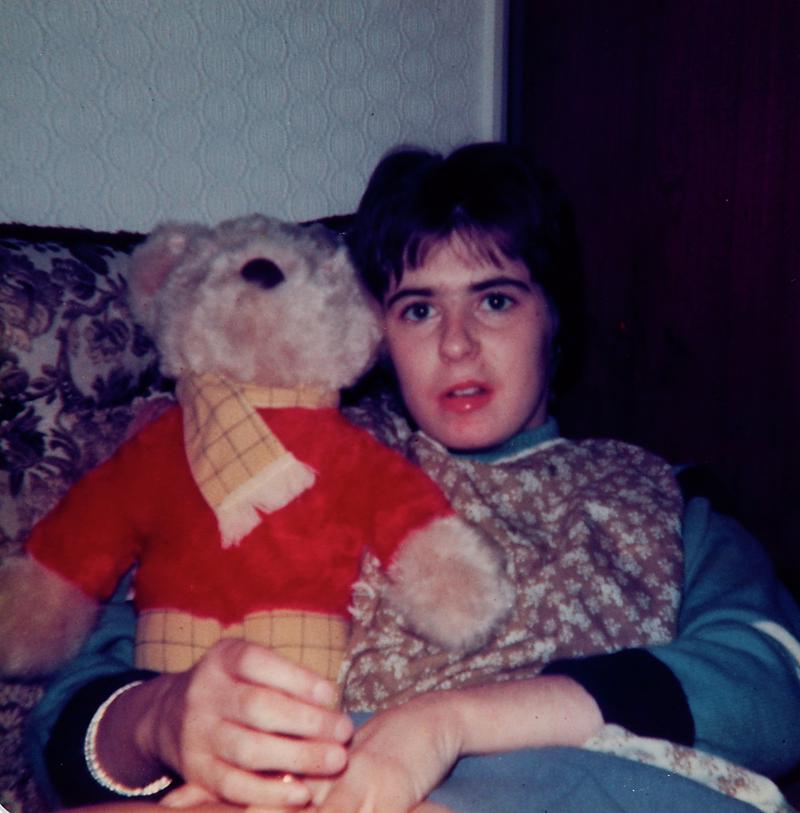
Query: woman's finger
266	709
245	788
259	665
259	751
187	796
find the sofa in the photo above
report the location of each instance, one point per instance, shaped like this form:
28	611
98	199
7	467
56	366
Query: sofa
76	376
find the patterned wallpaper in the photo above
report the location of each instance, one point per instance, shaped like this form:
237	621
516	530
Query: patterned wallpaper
119	113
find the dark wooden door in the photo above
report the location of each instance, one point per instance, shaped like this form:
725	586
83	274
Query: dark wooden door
673	127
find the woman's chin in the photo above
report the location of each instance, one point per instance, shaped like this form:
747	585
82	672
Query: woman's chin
468	438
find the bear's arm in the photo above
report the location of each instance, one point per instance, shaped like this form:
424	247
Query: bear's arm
397	496
92	536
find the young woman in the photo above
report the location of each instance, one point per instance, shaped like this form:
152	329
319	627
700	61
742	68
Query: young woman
462	253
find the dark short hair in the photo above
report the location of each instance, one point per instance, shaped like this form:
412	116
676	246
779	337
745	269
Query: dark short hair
489	194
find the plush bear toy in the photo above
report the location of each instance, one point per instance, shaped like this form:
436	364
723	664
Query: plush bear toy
246	507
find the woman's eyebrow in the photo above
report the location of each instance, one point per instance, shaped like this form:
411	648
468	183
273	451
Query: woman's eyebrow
406	293
497	282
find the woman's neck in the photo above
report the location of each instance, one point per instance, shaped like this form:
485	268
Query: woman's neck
520	443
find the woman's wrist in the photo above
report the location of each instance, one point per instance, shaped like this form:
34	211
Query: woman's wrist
528	713
64	752
625	683
126	736
445	714
96	765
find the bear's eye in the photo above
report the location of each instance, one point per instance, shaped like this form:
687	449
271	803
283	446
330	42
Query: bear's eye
262	272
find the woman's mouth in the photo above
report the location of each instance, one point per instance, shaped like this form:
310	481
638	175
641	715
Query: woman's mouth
465	397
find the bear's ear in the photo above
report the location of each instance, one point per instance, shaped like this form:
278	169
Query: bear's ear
338	261
151	264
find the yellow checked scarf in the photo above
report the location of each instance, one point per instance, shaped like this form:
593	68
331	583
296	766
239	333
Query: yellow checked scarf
239	465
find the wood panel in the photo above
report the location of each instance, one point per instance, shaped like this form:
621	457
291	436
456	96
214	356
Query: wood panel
674	129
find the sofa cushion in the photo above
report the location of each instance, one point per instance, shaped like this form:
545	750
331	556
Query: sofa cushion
73	365
76	375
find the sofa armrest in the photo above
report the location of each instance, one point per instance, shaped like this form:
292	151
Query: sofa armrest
76	375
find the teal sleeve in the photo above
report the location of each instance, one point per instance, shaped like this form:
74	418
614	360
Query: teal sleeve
737	655
107	652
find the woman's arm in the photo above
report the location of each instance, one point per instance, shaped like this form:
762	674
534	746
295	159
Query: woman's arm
399	756
738	653
232	725
106	660
240	711
729	684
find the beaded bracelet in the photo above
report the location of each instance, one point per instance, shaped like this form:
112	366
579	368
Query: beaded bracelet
96	770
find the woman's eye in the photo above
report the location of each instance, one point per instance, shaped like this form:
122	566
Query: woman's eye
416	312
497	302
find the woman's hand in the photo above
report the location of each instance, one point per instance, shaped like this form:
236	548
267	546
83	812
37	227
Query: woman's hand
233	726
399	756
396	758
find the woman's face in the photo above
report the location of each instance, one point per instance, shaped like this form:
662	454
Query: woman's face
470	341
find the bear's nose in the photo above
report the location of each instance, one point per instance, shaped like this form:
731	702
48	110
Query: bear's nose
262	272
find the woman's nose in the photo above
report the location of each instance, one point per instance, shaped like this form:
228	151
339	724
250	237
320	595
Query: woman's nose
458	340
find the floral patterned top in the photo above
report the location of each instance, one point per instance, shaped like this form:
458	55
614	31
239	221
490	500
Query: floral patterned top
590	534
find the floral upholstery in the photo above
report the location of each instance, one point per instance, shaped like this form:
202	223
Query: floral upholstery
76	375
